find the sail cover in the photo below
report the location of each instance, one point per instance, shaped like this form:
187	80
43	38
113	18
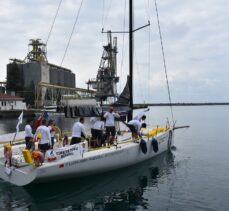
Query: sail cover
81	111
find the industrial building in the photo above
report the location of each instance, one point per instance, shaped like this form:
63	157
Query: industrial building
36	80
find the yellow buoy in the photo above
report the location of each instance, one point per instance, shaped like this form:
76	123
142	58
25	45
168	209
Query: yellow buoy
27	156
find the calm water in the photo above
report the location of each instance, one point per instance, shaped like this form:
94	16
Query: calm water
192	177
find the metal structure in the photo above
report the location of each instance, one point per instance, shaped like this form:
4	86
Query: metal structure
55	93
106	81
37	51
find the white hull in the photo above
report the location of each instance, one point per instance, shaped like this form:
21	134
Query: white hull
93	162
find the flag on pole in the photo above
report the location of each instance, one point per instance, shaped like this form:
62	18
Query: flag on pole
38	122
20	119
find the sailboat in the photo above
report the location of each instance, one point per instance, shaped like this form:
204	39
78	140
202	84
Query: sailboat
78	160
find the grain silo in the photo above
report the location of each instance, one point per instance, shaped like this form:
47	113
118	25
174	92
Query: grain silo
39	82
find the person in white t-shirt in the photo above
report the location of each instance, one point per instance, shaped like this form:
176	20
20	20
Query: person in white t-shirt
135	127
97	131
78	131
29	137
110	124
92	122
141	116
52	128
44	142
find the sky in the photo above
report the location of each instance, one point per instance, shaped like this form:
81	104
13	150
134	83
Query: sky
195	39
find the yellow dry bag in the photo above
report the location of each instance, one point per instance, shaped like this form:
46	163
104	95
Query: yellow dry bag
27	156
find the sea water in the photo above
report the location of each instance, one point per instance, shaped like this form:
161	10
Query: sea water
194	176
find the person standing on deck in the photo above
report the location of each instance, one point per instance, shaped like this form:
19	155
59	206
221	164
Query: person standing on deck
45	139
29	137
78	131
92	122
98	130
52	128
110	124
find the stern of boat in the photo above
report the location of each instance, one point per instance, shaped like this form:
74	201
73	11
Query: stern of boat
20	176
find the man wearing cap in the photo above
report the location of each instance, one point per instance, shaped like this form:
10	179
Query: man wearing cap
29	137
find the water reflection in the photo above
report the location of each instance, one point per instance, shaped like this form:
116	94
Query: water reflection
7	125
119	190
13	198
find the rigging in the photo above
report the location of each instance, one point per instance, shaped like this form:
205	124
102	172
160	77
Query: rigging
54	20
163	55
105	16
73	28
123	45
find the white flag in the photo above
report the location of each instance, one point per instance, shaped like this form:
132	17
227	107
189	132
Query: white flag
20	119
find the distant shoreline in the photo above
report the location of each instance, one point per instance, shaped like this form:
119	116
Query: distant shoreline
179	104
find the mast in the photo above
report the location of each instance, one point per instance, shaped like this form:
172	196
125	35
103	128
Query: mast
131	55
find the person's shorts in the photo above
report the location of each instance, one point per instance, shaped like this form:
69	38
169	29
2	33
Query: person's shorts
29	143
43	147
97	134
75	140
92	132
110	130
132	128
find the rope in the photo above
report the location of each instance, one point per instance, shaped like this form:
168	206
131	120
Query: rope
77	16
147	6
149	67
108	12
147	9
53	22
103	14
163	54
103	6
123	41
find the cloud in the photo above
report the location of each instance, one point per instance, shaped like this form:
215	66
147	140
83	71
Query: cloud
195	38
